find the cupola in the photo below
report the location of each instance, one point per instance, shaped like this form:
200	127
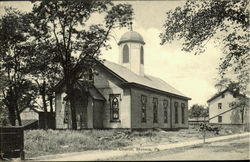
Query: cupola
131	52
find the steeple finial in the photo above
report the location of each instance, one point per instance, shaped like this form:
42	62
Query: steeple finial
130	26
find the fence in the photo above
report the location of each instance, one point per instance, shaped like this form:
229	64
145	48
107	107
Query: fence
12	142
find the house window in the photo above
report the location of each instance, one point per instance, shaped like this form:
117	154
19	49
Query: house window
222	96
155	110
125	54
219	105
165	106
142	55
219	119
183	113
143	109
176	112
114	106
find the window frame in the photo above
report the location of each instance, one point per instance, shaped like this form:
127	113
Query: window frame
176	105
142	55
143	108
124	58
182	113
165	107
219	119
112	109
219	105
155	110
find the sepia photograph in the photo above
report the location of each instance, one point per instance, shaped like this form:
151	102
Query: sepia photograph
124	80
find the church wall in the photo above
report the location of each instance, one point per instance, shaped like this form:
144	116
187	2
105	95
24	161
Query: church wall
59	105
136	112
90	113
107	84
180	124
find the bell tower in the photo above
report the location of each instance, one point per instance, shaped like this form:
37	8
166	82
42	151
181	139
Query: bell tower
131	51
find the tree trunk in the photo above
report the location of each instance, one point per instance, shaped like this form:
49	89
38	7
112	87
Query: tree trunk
73	110
12	115
18	116
44	105
71	96
51	103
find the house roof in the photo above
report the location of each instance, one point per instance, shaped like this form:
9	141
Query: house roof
220	93
37	110
148	81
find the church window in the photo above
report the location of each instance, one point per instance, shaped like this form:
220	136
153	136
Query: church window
183	113
125	54
165	106
114	103
142	55
143	109
155	110
176	112
66	112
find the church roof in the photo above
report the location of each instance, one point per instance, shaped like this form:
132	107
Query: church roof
146	80
131	36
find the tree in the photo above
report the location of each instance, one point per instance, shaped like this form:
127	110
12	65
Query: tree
197	111
17	91
46	73
63	25
227	22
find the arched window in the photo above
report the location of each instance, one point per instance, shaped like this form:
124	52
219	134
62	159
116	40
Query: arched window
125	54
142	55
114	103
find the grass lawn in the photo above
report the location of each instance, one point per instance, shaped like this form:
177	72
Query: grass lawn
42	142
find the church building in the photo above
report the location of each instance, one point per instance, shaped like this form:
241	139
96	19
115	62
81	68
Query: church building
123	96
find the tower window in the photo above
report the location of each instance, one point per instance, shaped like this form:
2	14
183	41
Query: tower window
142	55
125	54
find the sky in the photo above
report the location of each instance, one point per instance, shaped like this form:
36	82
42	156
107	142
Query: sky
193	75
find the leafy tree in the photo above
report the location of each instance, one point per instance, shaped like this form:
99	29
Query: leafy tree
17	92
225	21
197	111
63	25
45	72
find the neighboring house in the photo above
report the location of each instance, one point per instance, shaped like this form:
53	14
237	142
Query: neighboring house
123	96
220	103
30	114
35	118
29	117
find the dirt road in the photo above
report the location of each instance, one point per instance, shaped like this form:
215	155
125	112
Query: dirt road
237	149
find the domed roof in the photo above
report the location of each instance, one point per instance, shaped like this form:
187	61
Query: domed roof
131	36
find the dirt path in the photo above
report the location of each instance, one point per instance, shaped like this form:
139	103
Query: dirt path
237	149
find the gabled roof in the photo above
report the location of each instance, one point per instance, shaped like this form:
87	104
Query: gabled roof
93	91
128	76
